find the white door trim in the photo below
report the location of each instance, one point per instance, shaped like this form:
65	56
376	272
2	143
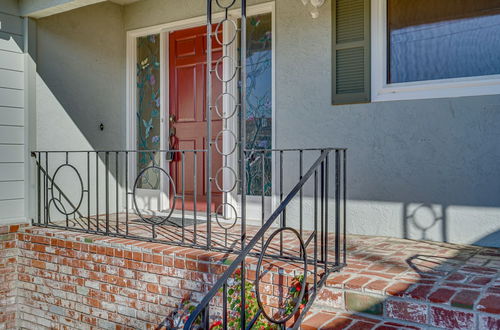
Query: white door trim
164	30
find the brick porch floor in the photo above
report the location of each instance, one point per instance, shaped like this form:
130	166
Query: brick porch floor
388	283
394	283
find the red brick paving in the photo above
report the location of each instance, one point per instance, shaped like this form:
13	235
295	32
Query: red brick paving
417	283
451	319
357	283
316	320
421	292
338	323
421	284
441	295
376	286
465	299
398	289
489	322
334	321
490	304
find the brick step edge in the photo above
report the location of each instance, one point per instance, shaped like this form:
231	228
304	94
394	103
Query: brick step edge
409	310
374	319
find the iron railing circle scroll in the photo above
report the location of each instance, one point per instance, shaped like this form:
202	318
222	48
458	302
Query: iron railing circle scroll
221	135
161	219
226	70
233	37
222	114
235	219
53	201
299	298
64	212
220	62
229	5
235	180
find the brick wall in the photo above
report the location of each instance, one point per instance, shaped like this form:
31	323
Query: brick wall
8	274
78	281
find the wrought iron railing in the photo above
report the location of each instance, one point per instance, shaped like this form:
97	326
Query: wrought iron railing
220	198
315	268
99	192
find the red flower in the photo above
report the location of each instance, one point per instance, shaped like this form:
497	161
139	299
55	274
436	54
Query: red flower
216	324
298	287
238	271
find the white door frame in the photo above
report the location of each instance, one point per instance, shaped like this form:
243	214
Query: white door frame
163	30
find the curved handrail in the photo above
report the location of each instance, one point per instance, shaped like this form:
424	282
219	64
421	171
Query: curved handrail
258	237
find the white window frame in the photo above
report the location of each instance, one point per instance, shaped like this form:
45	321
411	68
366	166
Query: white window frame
441	88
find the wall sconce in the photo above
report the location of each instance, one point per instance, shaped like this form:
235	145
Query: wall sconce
316	4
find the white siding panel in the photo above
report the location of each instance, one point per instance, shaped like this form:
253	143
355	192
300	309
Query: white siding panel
11	116
11	42
11	24
10	7
11	190
11	98
12	148
11	79
11	135
11	154
12	209
14	171
11	61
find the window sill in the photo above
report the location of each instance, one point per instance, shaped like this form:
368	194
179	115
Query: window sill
474	86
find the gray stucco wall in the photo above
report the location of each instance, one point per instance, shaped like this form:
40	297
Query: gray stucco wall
441	152
81	79
406	158
80	84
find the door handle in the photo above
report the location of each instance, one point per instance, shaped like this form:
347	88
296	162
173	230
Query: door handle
171	138
172	131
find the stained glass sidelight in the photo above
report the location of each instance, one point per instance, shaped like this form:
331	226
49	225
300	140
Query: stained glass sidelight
259	102
148	108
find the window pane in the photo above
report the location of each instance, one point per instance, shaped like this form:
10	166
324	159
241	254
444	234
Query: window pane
148	108
259	101
440	39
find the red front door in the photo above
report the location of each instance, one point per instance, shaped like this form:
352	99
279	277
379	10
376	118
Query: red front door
187	81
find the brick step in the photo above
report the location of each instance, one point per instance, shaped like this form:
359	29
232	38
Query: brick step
321	319
419	284
349	299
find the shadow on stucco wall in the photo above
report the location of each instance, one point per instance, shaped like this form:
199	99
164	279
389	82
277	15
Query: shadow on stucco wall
418	220
81	79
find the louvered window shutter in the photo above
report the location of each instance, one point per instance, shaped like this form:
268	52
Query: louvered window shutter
351	51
